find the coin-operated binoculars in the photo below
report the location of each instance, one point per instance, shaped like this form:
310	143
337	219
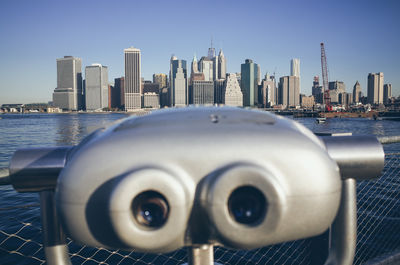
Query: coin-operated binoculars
199	177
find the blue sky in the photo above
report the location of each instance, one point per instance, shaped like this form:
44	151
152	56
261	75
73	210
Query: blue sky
360	37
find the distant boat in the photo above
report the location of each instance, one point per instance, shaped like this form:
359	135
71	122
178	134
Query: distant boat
321	120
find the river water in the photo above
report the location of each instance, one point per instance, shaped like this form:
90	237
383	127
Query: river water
19	214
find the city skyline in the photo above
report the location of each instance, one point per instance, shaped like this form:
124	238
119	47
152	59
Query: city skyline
38	33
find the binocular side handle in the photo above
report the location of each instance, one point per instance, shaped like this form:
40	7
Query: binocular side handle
54	239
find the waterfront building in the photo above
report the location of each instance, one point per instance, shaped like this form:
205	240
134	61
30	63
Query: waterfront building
69	93
348	99
96	85
133	84
53	110
356	92
387	93
161	79
249	84
178	83
114	97
119	88
221	65
219	91
268	91
337	89
203	92
233	95
375	88
151	100
334	95
289	91
307	101
110	90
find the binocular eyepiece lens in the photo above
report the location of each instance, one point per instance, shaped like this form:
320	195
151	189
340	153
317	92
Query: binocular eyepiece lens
150	209
247	205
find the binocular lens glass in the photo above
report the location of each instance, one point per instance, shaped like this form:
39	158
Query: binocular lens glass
150	209
247	205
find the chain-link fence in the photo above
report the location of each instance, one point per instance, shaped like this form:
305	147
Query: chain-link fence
378	234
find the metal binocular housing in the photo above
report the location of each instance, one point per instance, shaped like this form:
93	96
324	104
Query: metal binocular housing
226	176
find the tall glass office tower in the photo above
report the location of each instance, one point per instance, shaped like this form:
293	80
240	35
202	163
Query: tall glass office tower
133	93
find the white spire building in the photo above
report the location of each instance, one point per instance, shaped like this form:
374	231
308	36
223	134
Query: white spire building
221	65
295	67
195	66
178	92
295	70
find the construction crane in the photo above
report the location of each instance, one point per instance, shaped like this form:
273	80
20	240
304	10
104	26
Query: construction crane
325	82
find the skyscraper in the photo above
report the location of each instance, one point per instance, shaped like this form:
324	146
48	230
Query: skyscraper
96	77
337	90
317	90
207	68
133	93
258	75
249	83
211	51
221	65
119	85
268	91
69	94
289	91
295	67
151	100
178	83
160	79
203	92
387	93
375	88
356	92
195	67
219	87
215	67
233	94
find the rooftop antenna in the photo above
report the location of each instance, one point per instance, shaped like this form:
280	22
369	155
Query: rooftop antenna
211	50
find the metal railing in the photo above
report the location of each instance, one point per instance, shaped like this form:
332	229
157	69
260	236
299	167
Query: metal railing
378	218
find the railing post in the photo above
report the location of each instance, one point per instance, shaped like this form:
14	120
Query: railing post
201	255
344	228
54	240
